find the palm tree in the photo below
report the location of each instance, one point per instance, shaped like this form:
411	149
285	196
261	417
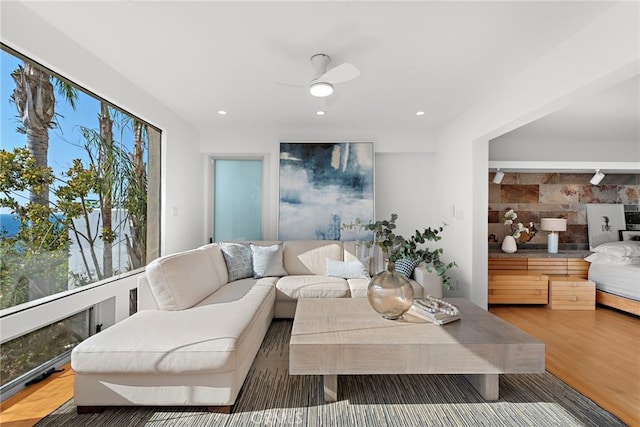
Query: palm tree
35	101
136	199
105	160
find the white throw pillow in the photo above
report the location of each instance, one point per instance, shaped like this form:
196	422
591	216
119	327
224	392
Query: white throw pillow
267	261
349	269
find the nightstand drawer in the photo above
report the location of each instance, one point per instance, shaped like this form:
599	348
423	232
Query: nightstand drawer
517	287
571	293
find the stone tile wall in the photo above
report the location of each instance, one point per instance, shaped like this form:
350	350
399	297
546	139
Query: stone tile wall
555	195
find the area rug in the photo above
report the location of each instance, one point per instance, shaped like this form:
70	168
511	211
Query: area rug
272	397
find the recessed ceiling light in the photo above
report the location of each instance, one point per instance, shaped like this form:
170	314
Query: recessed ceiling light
222	112
320	113
420	113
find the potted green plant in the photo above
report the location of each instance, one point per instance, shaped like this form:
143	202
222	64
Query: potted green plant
390	292
397	248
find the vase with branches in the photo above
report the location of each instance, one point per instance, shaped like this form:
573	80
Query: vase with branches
390	292
396	247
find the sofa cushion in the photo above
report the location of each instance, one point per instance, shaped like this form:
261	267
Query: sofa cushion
310	256
358	287
215	255
182	280
267	261
238	259
348	269
201	339
236	290
290	288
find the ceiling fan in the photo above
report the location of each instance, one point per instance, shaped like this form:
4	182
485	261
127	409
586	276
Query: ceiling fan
321	84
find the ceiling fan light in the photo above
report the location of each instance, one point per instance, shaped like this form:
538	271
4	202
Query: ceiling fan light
321	89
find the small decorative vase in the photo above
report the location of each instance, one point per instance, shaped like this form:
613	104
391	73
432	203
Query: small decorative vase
509	245
390	293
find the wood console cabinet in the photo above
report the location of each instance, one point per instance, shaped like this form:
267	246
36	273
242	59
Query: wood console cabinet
525	279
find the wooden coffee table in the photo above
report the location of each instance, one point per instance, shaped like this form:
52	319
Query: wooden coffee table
345	336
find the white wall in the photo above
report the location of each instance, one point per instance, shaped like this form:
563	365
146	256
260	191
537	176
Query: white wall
602	54
252	139
402	179
29	34
513	147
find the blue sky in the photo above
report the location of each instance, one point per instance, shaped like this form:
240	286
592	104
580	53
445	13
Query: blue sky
61	140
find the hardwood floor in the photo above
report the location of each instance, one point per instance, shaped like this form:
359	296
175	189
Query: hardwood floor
595	352
29	406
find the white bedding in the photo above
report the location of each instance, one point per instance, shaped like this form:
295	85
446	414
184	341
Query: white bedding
617	279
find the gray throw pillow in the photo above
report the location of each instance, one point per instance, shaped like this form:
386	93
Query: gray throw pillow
267	261
238	258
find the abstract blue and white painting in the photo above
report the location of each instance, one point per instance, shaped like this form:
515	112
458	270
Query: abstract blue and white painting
324	185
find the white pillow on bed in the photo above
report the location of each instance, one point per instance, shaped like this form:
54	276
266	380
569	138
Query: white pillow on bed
619	250
599	258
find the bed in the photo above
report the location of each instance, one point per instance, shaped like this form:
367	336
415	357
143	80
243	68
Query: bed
615	263
615	269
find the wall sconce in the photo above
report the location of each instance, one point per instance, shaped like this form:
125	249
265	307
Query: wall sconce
553	225
498	178
595	180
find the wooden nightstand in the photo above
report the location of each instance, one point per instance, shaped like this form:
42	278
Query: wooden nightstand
517	287
571	293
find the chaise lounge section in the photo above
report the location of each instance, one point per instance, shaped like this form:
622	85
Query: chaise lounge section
196	333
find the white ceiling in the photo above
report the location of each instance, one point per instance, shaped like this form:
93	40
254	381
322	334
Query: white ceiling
439	57
612	115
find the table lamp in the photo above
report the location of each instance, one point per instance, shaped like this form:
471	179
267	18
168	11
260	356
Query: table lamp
553	225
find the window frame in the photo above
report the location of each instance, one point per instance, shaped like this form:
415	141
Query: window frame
108	299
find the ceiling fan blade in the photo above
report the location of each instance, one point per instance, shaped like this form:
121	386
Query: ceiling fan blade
341	73
292	84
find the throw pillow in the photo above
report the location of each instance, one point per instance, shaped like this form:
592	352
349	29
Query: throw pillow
349	269
267	261
406	266
238	258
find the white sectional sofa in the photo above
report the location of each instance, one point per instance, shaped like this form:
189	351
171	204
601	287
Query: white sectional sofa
196	334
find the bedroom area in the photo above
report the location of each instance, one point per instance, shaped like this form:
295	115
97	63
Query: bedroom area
586	308
563	240
567	187
598	237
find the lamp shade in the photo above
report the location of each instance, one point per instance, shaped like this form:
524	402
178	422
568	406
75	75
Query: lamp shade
553	224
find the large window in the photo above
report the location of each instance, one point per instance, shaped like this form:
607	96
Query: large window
79	181
22	355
